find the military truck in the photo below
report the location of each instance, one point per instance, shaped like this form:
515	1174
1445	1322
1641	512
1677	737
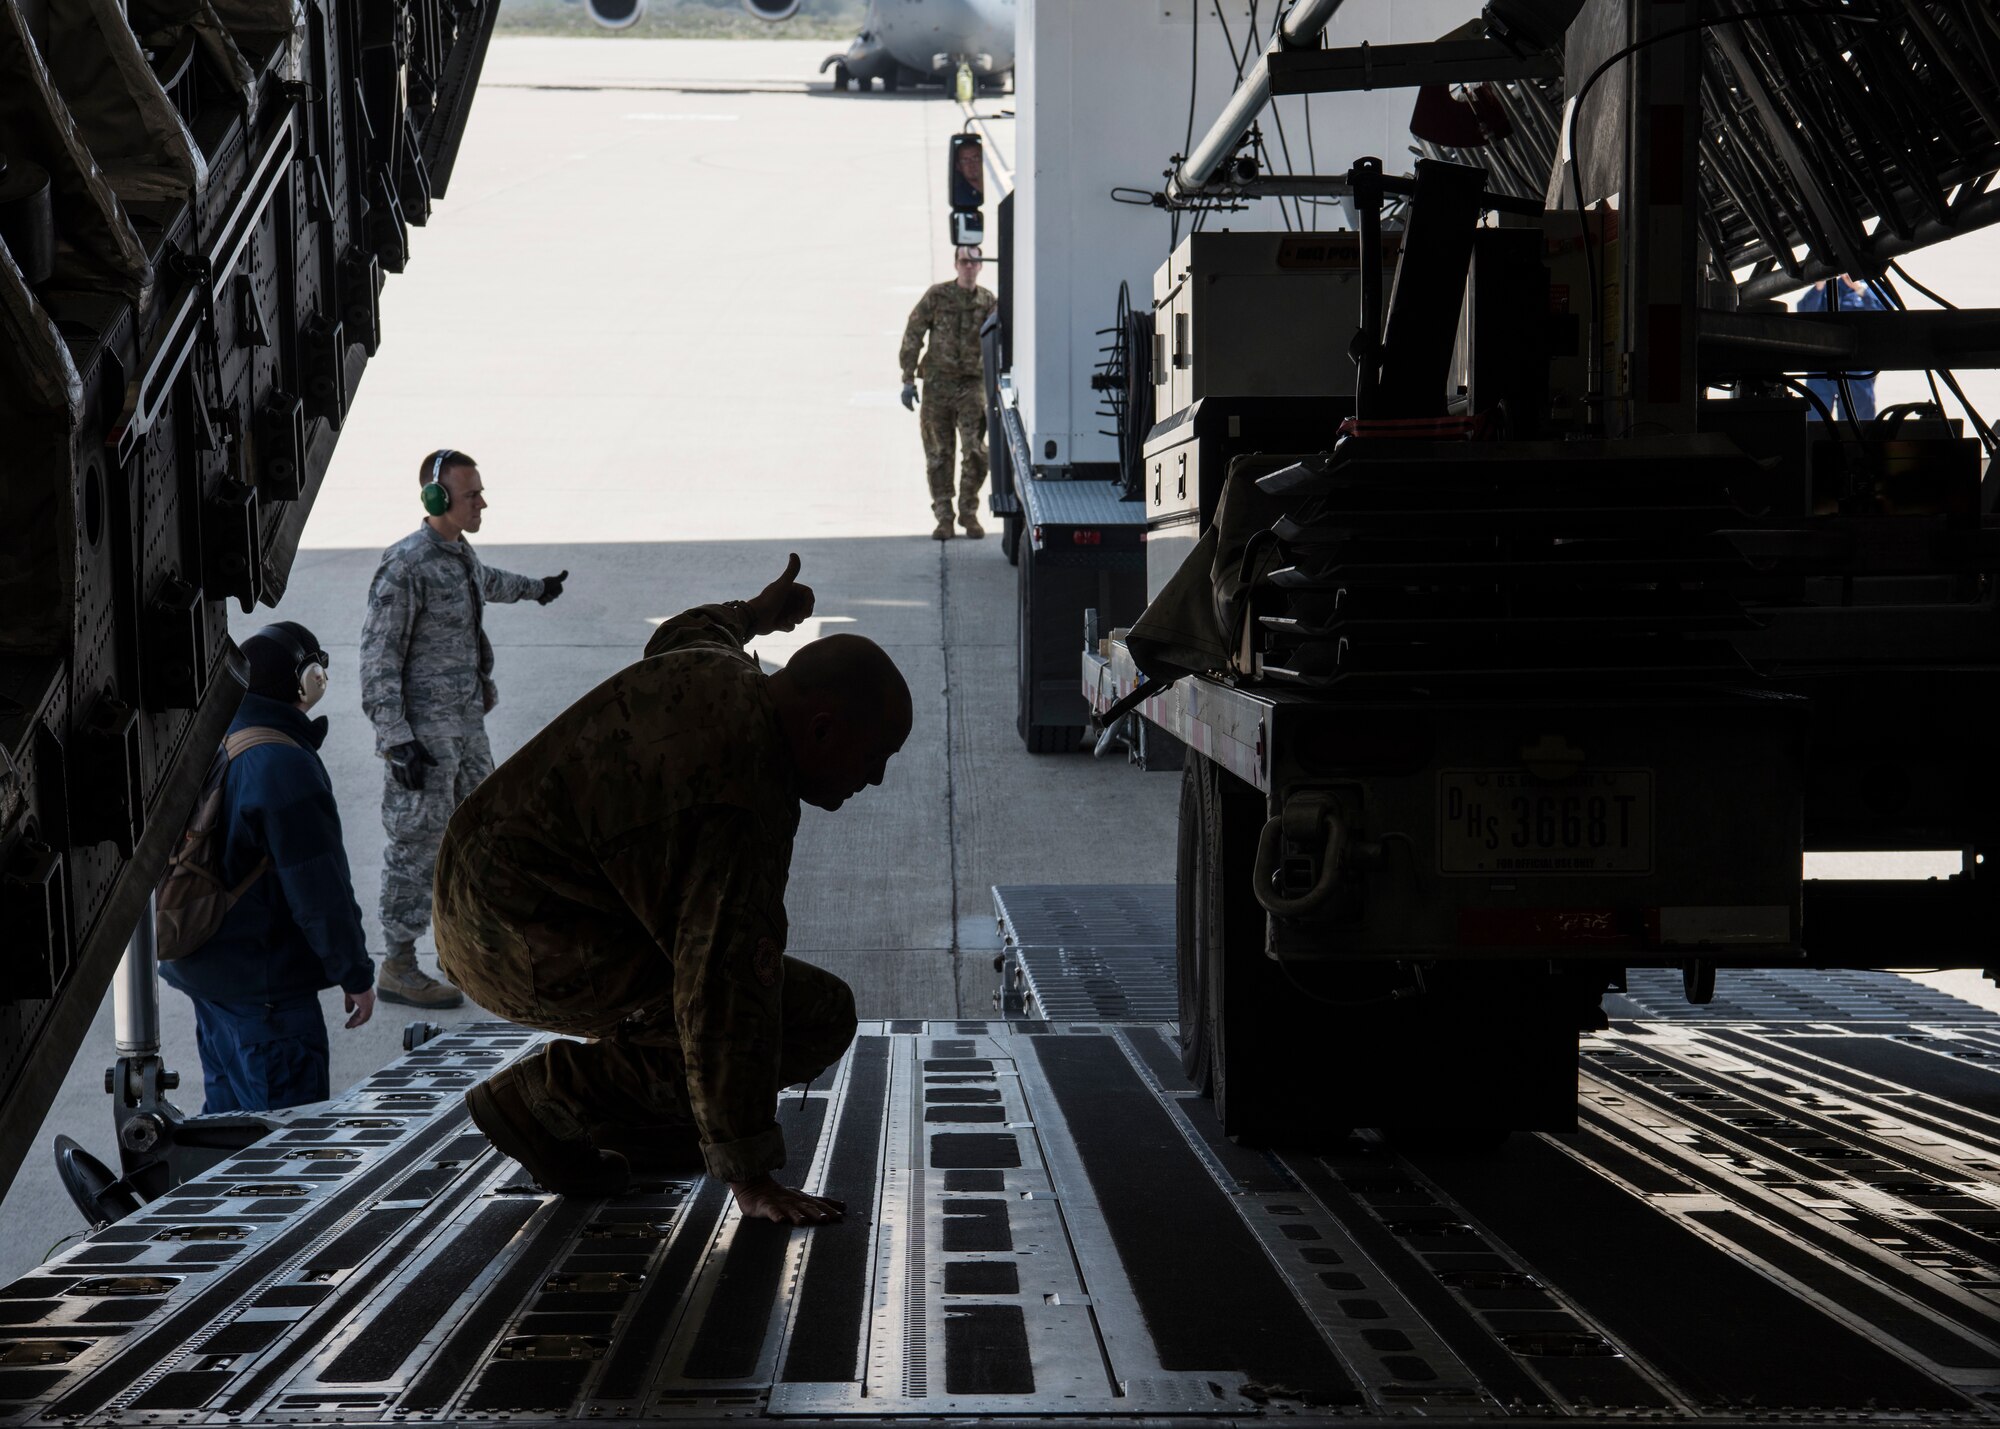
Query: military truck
1527	612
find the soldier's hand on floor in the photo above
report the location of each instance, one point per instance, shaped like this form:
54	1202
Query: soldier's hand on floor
783	603
407	763
764	1199
361	1006
909	396
551	587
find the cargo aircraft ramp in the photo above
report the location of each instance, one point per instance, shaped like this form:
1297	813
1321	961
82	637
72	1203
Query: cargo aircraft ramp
1788	1207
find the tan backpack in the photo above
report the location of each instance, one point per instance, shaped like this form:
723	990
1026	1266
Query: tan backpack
192	900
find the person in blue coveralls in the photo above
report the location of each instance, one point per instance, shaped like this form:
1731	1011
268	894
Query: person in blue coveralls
1842	294
296	928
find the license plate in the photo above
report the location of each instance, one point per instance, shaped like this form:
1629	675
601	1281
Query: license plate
1506	821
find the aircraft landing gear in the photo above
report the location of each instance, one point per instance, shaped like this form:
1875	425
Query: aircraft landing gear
842	80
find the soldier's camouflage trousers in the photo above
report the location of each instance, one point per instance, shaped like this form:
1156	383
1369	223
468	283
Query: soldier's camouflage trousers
414	819
954	408
631	1077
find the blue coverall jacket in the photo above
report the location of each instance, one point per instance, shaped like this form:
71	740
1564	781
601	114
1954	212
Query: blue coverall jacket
1860	386
297	929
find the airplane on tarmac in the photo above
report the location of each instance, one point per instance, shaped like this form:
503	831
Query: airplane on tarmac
901	41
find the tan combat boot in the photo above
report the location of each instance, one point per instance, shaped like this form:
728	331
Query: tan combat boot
569	1166
971	524
400	980
944	531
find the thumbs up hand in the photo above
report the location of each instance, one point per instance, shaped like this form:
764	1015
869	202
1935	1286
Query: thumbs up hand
783	603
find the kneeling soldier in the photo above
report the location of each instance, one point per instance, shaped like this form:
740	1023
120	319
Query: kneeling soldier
622	879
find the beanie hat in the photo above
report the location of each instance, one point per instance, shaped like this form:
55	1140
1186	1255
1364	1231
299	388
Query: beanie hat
274	669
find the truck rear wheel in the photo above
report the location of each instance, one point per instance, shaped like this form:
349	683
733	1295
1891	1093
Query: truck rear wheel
1054	738
1240	1032
1039	737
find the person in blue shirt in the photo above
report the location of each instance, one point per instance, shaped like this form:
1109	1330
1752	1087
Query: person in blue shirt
255	984
1842	294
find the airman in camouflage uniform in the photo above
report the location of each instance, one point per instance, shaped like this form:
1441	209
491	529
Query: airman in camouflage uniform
954	397
622	879
427	684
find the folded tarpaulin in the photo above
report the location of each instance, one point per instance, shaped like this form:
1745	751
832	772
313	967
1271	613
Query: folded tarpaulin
1196	624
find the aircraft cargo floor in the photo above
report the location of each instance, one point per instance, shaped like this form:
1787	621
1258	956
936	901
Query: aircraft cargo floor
1777	1210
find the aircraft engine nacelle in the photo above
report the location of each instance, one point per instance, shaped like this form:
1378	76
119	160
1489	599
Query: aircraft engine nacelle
615	14
772	10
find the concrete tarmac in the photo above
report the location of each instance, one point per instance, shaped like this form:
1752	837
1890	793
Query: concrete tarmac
661	306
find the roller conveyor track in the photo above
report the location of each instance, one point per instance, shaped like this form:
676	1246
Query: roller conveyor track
1752	1215
1078	952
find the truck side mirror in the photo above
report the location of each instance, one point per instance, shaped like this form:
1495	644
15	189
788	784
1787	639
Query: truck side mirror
966	182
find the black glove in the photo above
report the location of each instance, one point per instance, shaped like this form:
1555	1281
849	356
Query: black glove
407	763
909	396
551	587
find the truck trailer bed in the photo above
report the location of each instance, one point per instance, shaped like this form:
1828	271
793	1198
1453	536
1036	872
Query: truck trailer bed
1788	1208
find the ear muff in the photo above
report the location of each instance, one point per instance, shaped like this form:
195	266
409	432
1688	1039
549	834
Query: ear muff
434	495
312	684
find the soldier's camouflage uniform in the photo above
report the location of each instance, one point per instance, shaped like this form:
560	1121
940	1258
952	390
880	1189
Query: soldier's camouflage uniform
427	674
954	397
622	879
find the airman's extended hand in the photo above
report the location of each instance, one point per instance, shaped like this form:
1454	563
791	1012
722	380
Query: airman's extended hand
783	603
764	1199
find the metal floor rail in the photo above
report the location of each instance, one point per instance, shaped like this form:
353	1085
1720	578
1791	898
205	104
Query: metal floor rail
1756	1221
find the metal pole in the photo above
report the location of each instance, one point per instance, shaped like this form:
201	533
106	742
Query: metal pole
1366	178
1299	28
135	993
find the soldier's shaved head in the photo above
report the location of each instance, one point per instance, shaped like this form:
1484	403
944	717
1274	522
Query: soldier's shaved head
855	673
846	710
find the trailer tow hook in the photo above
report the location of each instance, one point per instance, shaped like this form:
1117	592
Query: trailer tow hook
1308	828
1119	731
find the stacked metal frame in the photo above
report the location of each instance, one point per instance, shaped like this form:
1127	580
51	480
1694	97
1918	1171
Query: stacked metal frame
1836	137
198	200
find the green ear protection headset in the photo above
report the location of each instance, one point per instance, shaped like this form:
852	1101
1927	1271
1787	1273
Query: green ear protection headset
436	499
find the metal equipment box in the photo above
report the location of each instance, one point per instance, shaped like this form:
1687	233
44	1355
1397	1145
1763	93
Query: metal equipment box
1257	314
1250	354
